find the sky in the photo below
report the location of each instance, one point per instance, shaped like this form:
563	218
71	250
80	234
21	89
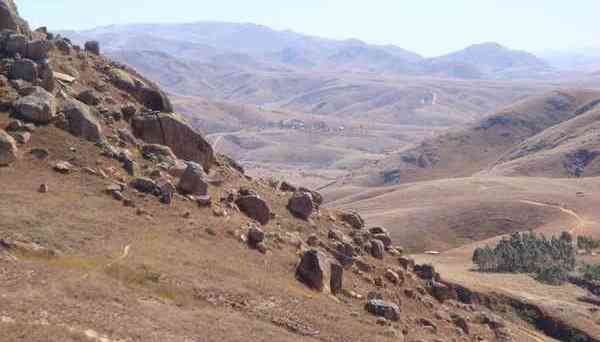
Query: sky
428	27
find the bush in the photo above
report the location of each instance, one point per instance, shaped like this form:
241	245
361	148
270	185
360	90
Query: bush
552	275
550	259
591	272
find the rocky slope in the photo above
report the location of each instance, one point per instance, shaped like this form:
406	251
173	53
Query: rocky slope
121	223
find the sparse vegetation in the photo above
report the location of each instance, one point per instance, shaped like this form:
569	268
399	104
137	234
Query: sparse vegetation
591	272
587	243
549	259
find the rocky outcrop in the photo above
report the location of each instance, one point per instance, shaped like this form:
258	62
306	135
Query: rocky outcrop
8	149
10	19
39	106
82	123
171	130
301	205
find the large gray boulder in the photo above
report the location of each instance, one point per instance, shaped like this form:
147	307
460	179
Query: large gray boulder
92	46
193	181
39	106
8	149
23	69
15	43
82	122
171	130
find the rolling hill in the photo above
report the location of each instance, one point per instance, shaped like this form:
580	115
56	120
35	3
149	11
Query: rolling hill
548	135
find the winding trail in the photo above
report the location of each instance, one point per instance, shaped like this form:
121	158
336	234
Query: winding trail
581	222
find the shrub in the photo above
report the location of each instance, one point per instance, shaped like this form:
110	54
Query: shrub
591	272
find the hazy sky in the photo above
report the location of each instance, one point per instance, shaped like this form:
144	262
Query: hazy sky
429	27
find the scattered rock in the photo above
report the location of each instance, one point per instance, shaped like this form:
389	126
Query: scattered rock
43	188
145	185
8	149
393	277
406	263
21	137
38	107
255	236
63	167
384	309
441	291
159	151
377	249
353	219
40	153
460	322
313	240
255	208
426	272
301	205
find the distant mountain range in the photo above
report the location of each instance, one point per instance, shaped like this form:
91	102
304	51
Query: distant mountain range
255	46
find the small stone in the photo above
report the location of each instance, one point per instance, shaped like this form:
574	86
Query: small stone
63	167
384	309
255	236
313	240
43	188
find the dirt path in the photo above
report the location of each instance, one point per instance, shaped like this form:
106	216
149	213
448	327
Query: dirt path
581	222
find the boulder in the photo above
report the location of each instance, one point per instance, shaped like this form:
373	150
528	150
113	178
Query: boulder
92	47
145	91
171	130
46	75
8	149
89	97
63	167
440	291
10	19
384	238
255	207
353	219
255	236
319	272
301	205
406	263
316	197
426	272
384	309
39	106
23	69
377	249
21	137
15	44
145	185
193	181
38	49
82	123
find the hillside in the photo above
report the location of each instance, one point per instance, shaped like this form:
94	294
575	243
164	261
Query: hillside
120	222
516	132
